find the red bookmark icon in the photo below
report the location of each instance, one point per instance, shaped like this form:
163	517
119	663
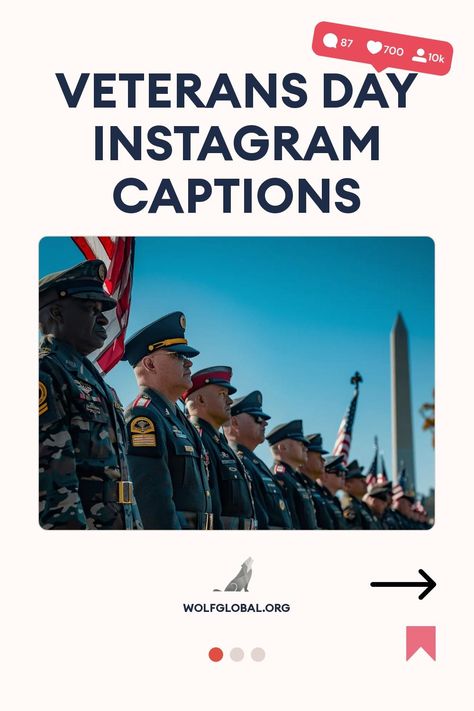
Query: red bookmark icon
421	638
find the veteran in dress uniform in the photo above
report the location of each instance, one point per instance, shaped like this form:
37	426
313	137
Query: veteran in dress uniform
288	446
402	508
377	501
83	474
311	474
208	403
356	512
245	431
166	456
331	482
390	519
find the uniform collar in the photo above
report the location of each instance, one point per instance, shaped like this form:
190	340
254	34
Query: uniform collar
307	480
245	450
288	469
207	427
165	406
74	362
68	355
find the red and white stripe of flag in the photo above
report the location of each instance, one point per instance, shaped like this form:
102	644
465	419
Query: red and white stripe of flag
397	492
370	479
343	442
117	253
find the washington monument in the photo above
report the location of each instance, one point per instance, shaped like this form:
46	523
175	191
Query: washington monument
402	428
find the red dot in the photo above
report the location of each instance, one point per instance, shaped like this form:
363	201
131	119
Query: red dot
216	654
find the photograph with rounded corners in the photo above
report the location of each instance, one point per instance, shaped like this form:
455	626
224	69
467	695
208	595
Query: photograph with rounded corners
236	383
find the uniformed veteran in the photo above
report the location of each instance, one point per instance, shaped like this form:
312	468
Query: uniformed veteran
377	501
390	519
402	508
245	431
327	484
356	512
84	481
208	403
312	474
166	455
288	446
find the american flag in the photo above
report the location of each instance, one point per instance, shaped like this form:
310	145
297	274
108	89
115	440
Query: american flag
382	477
398	489
117	253
371	476
344	435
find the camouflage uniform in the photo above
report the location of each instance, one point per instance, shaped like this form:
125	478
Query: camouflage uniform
84	481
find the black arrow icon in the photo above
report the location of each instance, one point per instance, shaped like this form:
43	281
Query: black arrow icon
429	584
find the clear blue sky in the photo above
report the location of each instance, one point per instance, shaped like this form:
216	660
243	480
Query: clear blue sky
294	317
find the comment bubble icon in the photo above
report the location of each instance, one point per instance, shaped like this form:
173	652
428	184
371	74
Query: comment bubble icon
330	40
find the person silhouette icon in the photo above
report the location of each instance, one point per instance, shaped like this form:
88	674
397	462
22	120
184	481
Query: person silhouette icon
419	56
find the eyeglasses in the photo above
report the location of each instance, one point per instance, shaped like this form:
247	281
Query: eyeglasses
258	419
176	356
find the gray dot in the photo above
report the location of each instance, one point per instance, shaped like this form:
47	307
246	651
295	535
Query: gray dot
258	654
236	654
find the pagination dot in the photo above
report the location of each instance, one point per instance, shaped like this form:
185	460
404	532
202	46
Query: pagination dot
216	654
258	654
236	654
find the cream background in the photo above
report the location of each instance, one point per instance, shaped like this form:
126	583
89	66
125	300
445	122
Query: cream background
94	621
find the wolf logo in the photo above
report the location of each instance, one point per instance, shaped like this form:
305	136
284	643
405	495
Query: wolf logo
241	580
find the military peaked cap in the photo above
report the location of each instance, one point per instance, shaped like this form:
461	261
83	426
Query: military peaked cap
354	470
379	491
167	333
84	281
334	464
289	430
316	443
217	375
251	403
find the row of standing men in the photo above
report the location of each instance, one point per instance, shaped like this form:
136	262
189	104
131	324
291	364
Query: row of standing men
155	467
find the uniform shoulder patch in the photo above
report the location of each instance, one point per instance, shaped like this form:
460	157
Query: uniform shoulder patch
48	403
141	401
142	432
43	398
